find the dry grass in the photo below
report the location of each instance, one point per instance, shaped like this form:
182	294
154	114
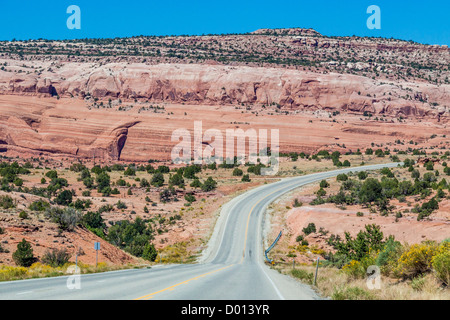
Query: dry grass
39	270
334	284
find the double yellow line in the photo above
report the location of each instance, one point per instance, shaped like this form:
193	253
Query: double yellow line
149	296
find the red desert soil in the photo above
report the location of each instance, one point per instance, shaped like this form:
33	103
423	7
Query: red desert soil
31	126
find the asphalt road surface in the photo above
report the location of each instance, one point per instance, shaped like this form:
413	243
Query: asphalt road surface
231	268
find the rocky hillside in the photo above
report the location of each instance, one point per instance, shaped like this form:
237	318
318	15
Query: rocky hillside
304	49
219	85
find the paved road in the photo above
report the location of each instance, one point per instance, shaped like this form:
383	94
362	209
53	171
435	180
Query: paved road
232	267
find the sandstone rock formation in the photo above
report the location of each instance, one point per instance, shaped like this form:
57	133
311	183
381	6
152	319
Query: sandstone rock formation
219	85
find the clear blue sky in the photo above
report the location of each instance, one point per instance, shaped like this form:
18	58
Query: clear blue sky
421	21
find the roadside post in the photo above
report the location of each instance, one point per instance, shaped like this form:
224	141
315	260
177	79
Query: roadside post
317	270
97	248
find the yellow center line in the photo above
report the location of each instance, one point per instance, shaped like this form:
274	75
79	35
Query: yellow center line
149	296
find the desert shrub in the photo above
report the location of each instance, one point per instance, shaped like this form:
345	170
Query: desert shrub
131	171
369	240
103	183
56	257
309	229
132	237
209	184
121	183
163	169
416	260
358	268
297	203
166	195
157	179
18	182
189	198
23	215
237	172
324	184
255	169
93	220
9	273
196	183
321	192
342	177
149	252
77	167
144	183
67	218
24	256
88	182
176	180
121	205
441	263
190	171
245	178
387	258
64	198
52	174
370	190
6	202
39	205
362	175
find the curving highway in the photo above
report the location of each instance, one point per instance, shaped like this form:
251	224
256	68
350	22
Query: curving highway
232	267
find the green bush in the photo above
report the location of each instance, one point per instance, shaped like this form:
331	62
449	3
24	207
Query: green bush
133	237
441	263
311	228
324	184
23	215
237	172
64	198
149	253
24	256
157	180
342	177
362	175
121	205
209	185
6	202
52	174
39	205
189	198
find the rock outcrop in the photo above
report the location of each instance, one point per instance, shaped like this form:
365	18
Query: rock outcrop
219	85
